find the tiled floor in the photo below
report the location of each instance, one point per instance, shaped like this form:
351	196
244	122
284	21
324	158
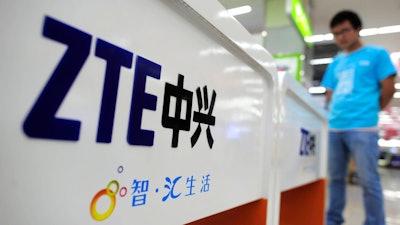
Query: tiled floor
354	212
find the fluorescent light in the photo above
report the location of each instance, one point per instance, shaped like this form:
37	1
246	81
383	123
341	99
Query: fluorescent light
321	61
389	29
315	38
396	95
363	32
316	90
328	37
368	32
319	38
239	10
397	85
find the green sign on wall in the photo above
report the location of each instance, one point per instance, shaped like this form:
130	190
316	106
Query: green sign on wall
290	63
298	15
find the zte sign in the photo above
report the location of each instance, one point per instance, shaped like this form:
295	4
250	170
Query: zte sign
42	123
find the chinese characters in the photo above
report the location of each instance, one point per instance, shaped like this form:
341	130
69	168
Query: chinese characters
183	105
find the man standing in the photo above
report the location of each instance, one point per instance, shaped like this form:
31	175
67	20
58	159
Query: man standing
359	83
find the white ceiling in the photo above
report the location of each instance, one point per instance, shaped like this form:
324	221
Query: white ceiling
253	21
374	13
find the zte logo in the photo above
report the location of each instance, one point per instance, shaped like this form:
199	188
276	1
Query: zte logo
307	144
42	123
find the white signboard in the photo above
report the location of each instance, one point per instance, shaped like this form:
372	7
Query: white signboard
303	142
126	112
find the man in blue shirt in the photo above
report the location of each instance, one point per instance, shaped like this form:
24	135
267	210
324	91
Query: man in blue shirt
359	83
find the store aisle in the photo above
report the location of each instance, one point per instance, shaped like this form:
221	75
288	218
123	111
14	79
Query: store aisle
354	213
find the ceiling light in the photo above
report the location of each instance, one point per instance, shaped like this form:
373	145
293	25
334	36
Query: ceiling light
316	90
319	38
368	32
239	10
397	85
389	29
396	95
315	38
321	61
328	37
363	32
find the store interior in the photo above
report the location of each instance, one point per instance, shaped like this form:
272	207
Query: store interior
271	24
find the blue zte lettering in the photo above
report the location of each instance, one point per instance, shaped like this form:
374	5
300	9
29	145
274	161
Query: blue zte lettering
41	121
115	57
307	143
141	100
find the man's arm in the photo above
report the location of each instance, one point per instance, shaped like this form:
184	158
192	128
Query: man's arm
387	90
328	98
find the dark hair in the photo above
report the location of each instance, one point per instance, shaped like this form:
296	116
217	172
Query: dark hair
344	15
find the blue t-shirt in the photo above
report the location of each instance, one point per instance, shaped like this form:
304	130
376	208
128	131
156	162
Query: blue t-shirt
355	82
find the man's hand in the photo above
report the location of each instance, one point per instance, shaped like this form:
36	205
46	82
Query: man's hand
387	91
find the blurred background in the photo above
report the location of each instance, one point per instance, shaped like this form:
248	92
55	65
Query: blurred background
273	23
297	34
